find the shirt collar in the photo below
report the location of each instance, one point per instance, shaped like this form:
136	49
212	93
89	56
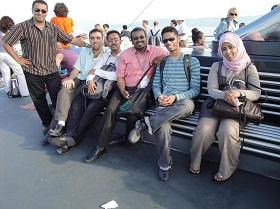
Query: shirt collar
148	49
31	21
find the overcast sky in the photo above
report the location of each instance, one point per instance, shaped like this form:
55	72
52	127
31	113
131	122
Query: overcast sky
125	11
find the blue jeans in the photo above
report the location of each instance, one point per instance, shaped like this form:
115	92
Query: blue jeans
161	127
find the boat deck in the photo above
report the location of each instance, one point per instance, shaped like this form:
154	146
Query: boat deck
36	177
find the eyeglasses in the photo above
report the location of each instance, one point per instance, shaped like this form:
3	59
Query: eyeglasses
233	14
40	10
168	39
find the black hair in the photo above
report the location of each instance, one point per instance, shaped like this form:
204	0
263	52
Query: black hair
95	31
137	29
39	2
196	35
112	31
106	25
6	23
169	29
174	22
124	27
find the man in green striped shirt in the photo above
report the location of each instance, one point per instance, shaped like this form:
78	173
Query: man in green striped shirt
174	91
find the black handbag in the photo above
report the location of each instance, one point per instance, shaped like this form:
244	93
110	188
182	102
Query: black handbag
140	98
248	111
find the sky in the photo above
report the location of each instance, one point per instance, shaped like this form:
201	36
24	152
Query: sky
125	11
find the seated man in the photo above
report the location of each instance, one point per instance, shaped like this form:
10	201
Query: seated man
72	85
175	85
84	108
132	64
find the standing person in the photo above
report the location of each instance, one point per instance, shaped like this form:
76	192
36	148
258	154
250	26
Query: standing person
174	92
183	32
39	41
84	110
105	29
227	24
154	34
173	23
132	64
145	25
71	86
7	62
125	32
61	20
231	70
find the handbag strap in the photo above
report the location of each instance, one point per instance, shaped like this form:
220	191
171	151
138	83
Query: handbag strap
144	74
248	83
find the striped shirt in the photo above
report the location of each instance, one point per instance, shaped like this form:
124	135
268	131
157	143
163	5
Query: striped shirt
175	81
39	46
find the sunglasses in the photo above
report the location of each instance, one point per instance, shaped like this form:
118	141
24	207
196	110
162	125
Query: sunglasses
40	10
233	14
168	39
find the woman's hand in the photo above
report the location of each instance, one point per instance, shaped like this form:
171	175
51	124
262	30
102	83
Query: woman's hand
231	97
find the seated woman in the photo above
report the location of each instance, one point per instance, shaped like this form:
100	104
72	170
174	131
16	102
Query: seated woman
235	61
198	39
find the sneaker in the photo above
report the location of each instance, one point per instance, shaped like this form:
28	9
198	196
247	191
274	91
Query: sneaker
58	131
61	141
63	149
137	132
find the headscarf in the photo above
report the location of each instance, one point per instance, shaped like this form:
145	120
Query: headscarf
241	60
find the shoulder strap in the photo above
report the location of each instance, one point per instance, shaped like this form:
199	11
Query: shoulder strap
157	32
187	66
144	74
152	32
161	68
248	83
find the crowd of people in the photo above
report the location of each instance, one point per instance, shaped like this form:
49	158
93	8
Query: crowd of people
101	74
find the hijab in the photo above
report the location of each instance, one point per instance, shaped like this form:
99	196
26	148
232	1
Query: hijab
242	58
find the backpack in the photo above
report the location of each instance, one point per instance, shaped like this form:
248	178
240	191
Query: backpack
187	68
154	39
14	91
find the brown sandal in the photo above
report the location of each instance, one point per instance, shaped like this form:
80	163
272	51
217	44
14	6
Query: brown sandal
193	171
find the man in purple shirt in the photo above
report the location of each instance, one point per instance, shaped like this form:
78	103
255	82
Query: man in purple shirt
132	64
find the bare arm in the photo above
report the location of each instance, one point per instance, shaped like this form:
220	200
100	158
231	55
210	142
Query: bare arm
121	85
78	42
20	60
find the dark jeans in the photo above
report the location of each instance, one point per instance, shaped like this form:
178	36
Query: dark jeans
37	87
82	114
110	117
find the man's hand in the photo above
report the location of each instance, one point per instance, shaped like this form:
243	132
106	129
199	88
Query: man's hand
91	87
125	94
24	62
165	100
68	83
157	60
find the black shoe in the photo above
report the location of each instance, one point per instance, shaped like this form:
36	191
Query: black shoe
95	154
163	174
58	131
63	149
61	141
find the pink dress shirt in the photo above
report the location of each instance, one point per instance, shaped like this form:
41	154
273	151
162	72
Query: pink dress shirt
132	64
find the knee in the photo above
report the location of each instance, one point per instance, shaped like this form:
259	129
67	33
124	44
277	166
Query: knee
230	132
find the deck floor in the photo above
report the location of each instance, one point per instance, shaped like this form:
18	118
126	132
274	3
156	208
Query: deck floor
36	177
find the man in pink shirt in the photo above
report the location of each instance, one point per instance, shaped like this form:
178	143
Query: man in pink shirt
132	64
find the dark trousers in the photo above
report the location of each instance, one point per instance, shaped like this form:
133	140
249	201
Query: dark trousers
37	89
110	117
82	114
